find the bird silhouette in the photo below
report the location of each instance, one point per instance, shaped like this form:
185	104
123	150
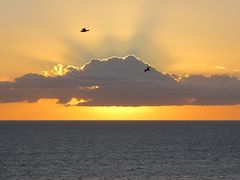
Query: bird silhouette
84	30
147	69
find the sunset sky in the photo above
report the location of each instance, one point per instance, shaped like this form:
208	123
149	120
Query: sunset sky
180	37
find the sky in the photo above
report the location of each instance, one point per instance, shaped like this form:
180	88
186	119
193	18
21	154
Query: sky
181	37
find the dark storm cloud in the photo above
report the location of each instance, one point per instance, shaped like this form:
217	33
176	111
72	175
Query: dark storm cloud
122	82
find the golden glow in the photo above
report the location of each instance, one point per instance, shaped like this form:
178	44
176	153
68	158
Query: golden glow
75	102
59	70
48	110
3	78
119	113
220	68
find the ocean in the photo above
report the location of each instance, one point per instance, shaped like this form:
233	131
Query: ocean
120	150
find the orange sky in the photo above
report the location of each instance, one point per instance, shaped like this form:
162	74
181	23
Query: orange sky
188	36
48	110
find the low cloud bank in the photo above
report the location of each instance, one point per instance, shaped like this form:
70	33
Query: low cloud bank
120	82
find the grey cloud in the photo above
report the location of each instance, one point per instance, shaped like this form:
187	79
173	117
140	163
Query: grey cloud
122	82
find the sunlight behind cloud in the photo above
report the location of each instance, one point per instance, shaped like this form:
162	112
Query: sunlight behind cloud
59	70
76	102
175	36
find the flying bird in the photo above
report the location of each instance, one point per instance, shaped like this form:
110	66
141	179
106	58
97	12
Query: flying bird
84	30
147	69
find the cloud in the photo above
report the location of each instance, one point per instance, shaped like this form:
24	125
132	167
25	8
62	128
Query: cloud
220	67
120	82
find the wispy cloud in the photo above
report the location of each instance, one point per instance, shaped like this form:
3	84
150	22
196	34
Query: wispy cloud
220	67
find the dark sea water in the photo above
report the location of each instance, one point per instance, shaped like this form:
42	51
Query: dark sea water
119	150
